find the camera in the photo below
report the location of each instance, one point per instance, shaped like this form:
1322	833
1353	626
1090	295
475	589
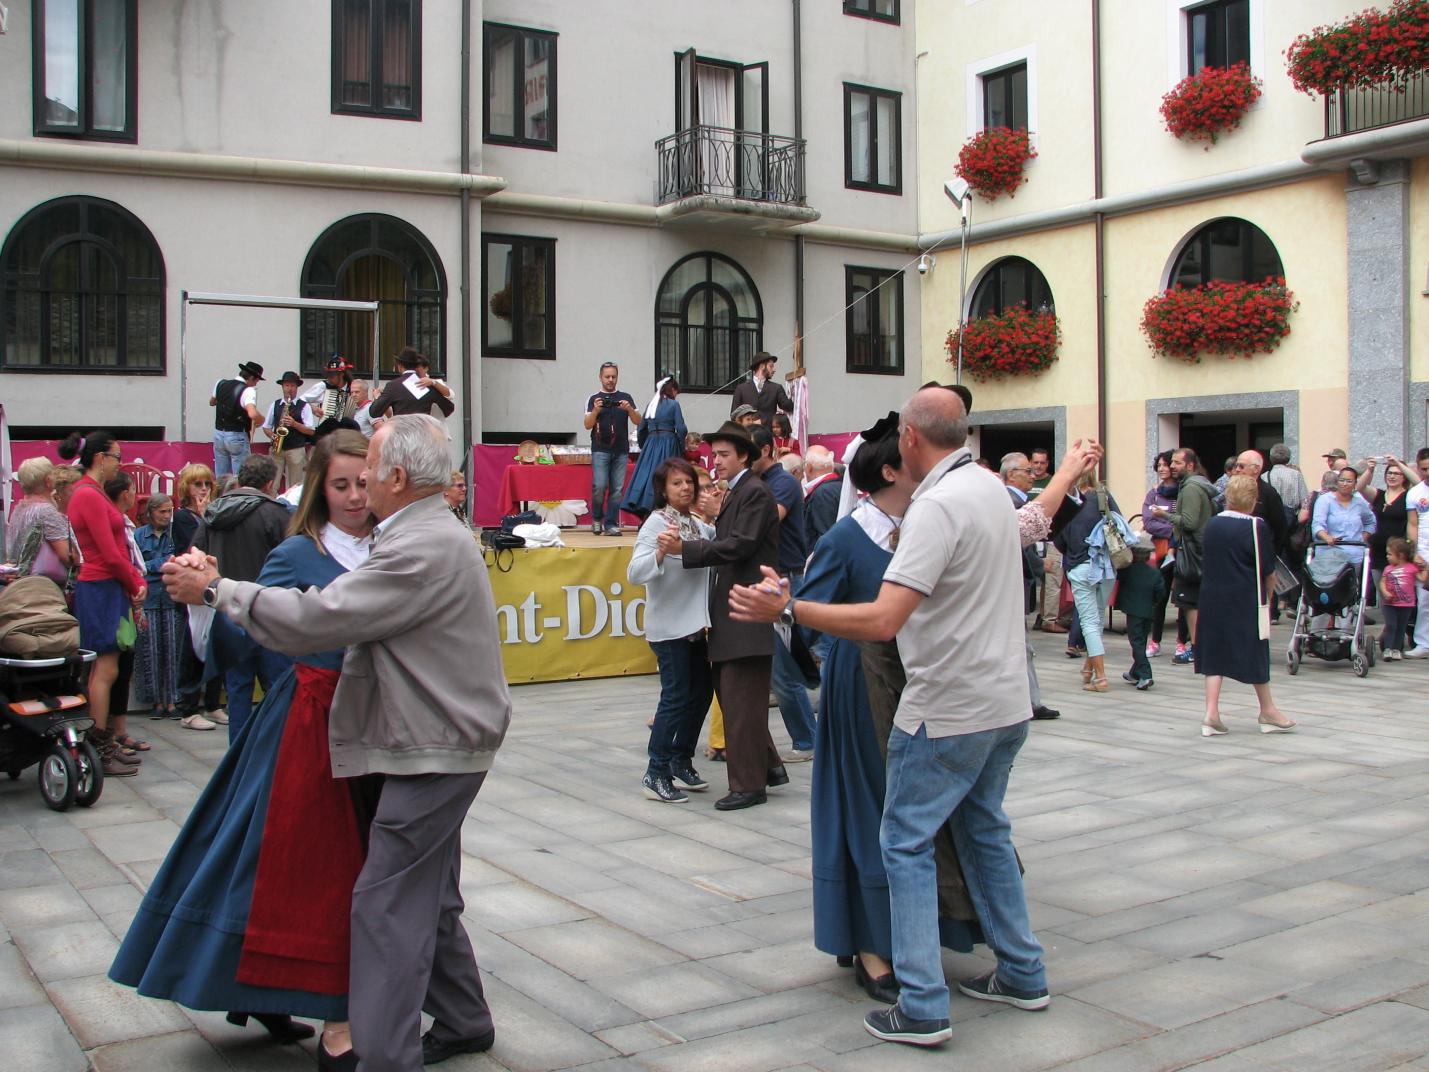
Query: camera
925	264
607	400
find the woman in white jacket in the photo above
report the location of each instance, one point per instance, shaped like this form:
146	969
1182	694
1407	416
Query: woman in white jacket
677	613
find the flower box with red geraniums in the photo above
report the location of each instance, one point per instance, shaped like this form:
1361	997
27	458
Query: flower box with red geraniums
1373	48
1238	319
991	161
1210	102
1016	342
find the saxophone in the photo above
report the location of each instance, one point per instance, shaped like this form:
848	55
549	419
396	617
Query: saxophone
280	433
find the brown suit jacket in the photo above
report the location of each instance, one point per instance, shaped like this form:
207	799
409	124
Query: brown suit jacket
766	401
746	537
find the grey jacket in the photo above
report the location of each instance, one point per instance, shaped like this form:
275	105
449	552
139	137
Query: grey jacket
422	688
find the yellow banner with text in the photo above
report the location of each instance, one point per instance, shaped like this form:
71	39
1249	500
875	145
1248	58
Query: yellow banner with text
568	612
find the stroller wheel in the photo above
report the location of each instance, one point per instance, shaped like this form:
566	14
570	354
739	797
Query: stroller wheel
90	769
1361	665
1292	658
57	778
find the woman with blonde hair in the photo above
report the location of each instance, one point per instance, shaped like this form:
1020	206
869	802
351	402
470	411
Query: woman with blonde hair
199	706
37	536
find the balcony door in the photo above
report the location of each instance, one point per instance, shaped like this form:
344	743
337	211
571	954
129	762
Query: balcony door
723	107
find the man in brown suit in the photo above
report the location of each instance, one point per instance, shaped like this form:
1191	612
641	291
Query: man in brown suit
746	538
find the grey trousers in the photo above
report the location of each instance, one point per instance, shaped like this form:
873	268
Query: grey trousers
1032	685
410	952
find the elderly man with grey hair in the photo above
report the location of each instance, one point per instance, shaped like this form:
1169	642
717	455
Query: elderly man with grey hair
1288	482
822	490
422	700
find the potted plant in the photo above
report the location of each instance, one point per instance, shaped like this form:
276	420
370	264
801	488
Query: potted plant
1210	102
1233	318
1015	342
1372	48
992	160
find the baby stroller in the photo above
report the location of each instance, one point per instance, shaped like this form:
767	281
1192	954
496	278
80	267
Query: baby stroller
43	719
1338	586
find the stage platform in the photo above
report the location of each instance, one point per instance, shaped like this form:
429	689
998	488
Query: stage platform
583	537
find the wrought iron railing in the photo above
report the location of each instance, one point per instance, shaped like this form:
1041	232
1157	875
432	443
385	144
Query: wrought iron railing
1351	110
731	163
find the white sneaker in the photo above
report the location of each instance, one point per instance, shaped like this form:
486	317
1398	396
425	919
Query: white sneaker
197	722
1393	655
219	717
1417	653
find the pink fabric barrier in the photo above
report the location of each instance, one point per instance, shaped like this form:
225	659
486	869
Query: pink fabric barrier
166	457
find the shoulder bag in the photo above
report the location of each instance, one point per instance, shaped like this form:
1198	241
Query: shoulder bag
1262	601
1116	546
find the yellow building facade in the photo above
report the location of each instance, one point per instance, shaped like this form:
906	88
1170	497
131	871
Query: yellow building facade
1346	214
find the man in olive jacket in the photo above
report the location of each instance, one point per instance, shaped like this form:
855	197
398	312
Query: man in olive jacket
423	701
742	653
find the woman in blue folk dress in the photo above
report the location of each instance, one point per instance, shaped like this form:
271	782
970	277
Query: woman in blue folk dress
250	912
661	435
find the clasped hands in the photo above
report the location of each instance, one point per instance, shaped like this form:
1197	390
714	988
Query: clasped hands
187	575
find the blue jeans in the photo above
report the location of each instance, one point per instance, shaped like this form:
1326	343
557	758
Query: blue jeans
229	450
239	661
961	780
606	471
787	684
686	688
1090	595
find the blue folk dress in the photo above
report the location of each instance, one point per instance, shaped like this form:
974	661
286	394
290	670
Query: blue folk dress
661	436
186	940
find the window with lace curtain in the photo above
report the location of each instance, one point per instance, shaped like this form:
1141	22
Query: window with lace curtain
377	58
84	81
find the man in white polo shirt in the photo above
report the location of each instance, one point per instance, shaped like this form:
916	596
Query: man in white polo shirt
953	597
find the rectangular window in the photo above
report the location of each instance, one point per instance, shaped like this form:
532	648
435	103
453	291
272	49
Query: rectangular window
377	58
1004	98
872	139
518	276
882	10
84	79
520	103
873	322
1217	35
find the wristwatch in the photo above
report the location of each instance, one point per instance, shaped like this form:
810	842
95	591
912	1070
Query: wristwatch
210	594
786	616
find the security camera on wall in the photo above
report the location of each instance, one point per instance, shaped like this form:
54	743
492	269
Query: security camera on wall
926	264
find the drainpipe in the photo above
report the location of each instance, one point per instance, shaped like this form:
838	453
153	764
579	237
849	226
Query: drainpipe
468	403
1098	222
798	238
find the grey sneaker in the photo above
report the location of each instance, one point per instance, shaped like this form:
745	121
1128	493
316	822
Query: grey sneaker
798	755
892	1025
989	988
659	787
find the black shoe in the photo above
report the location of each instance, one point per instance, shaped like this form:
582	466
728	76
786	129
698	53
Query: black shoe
341	1062
738	799
776	776
1042	713
884	988
659	787
891	1025
989	988
282	1028
686	777
434	1051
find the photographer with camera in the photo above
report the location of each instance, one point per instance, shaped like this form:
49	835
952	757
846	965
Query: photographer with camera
608	414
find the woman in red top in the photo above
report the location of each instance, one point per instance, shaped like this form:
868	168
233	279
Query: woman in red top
108	581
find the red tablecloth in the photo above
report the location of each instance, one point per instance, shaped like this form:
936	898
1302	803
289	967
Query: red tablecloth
552	483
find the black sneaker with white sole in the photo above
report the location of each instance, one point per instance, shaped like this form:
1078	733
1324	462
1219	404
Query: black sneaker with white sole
893	1025
990	988
659	787
686	777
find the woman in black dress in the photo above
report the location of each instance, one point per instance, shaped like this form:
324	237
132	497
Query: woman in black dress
1228	635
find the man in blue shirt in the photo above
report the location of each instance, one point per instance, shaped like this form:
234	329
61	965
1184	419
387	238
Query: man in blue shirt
608	414
787	682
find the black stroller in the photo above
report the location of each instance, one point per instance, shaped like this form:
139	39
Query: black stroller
43	719
1335	585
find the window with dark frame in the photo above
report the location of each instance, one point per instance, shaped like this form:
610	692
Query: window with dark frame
1004	98
519	105
518	280
1217	34
81	290
377	58
882	10
709	322
873	124
84	82
1010	282
1228	249
873	320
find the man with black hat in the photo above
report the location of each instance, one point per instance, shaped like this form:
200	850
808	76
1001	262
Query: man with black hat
760	391
413	390
331	398
746	538
237	403
289	427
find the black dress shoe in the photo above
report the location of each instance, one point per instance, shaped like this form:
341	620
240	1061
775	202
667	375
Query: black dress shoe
434	1051
777	776
884	988
1042	713
340	1062
282	1028
738	799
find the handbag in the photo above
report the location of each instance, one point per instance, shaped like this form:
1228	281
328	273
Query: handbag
1116	546
127	634
1262	602
526	517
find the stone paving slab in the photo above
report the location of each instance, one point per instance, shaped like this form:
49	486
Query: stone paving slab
1247	902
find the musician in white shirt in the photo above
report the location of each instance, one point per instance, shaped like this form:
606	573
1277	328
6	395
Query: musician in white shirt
294	417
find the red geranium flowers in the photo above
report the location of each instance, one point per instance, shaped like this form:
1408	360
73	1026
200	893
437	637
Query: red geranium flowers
1373	48
991	161
1016	342
1219	317
1210	102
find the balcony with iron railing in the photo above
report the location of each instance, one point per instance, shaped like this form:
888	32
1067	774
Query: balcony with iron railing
736	178
1352	110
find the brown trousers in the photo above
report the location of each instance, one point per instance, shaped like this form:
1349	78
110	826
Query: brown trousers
742	686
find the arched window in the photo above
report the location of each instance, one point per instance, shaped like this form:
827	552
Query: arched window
83	291
1008	282
374	258
708	321
1229	249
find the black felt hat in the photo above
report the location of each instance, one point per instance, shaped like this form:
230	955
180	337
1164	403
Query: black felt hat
249	368
291	377
759	359
734	433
